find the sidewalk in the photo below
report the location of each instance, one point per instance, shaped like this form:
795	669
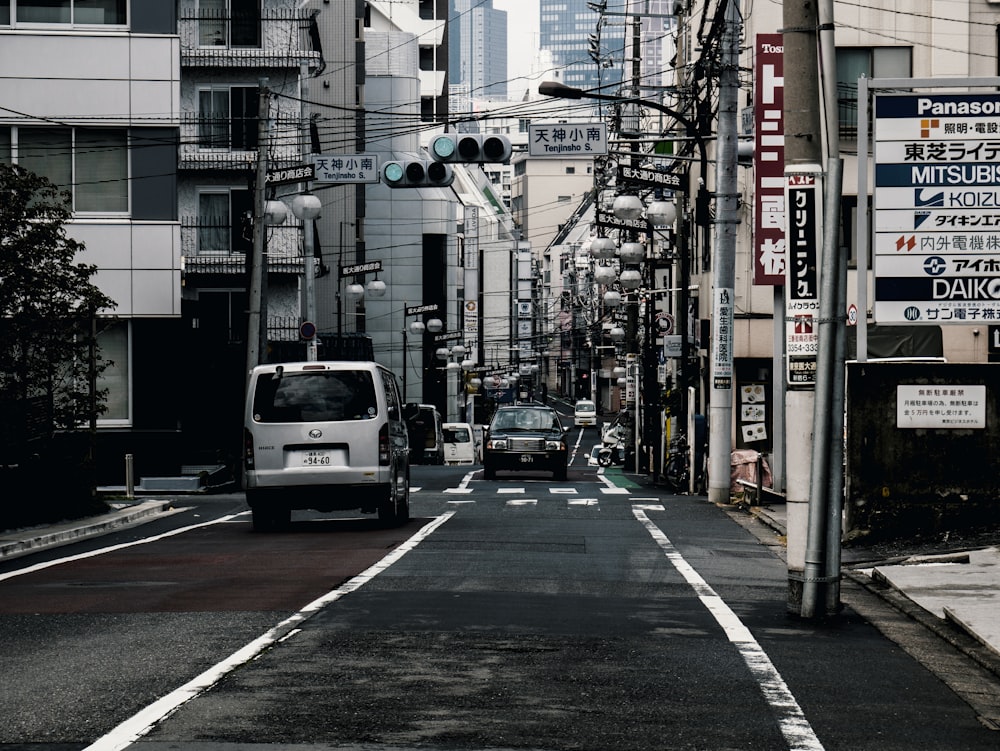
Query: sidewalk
944	592
18	542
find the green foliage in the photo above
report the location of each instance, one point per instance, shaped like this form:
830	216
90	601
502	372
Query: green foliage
48	304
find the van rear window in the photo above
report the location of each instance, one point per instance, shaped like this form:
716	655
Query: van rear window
319	396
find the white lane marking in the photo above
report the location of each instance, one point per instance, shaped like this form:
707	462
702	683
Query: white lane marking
523	502
113	548
142	722
458	491
582	502
792	722
458	502
509	491
614	491
563	491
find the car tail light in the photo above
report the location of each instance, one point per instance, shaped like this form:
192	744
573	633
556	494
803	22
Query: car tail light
383	445
248	460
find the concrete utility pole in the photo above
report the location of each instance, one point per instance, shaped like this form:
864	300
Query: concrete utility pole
724	264
803	147
257	314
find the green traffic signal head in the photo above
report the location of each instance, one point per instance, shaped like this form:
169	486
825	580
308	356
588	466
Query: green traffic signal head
442	148
417	173
393	172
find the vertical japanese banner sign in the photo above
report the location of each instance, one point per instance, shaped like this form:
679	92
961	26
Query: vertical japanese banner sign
722	335
804	199
470	323
769	254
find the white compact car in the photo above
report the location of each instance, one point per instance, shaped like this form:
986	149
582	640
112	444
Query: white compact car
585	414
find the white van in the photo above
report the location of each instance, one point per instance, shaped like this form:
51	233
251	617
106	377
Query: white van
328	436
459	443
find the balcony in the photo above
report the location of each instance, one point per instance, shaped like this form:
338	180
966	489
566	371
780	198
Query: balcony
275	38
212	144
230	249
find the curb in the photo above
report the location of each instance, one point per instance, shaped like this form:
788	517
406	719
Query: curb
72	531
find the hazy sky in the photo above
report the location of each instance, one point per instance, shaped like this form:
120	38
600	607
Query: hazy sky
522	34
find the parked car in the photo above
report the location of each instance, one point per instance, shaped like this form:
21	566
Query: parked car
459	443
525	438
328	436
585	414
424	424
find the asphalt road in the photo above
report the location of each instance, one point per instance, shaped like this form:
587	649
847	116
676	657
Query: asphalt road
519	613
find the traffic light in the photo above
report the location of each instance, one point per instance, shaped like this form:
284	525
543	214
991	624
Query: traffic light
417	173
470	148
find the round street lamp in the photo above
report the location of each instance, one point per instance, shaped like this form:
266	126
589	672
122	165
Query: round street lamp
417	327
376	288
612	299
617	334
627	207
355	291
661	213
631	252
602	248
604	274
434	325
630	279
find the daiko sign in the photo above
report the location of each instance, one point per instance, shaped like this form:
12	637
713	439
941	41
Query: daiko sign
937	208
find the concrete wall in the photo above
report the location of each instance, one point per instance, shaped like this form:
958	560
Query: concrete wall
902	481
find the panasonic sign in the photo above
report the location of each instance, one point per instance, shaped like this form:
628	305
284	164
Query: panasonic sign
960	108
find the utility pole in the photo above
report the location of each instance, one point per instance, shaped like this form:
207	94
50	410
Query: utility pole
803	148
724	263
257	313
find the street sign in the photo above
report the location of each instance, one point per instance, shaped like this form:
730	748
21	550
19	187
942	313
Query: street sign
568	139
936	208
299	174
417	309
649	177
346	168
361	268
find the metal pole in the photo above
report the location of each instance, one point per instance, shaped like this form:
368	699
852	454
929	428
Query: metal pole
723	265
257	307
309	278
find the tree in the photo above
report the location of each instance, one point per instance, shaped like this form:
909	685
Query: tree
48	304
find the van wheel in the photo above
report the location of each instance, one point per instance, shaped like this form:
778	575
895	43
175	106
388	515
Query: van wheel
395	509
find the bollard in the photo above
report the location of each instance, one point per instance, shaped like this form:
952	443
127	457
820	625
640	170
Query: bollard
129	478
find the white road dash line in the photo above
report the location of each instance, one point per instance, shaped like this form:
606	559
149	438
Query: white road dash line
794	726
134	728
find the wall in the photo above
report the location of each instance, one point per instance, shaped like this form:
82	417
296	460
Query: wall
906	481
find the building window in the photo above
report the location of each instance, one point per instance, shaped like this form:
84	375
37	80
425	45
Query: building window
113	341
91	163
871	62
224	221
228	118
229	23
78	12
5	151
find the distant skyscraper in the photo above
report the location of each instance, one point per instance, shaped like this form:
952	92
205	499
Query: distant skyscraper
477	48
567	27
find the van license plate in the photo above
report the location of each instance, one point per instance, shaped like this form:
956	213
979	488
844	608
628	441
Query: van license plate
527	459
316	459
